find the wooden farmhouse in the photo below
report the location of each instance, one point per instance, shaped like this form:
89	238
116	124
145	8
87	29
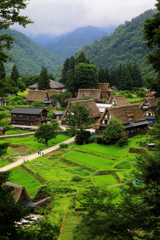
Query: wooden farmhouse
53	85
118	100
89	104
28	116
149	109
105	89
92	93
130	115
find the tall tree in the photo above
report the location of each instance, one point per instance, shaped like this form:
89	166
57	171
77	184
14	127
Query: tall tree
81	58
86	76
47	131
151	34
78	117
14	76
2	71
43	82
101	75
10	14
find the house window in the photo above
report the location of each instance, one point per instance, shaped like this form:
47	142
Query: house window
147	114
130	119
20	115
14	121
14	115
86	94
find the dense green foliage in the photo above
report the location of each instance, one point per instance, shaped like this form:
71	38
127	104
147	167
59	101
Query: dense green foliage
43	81
113	131
125	77
47	131
124	46
77	117
34	56
78	73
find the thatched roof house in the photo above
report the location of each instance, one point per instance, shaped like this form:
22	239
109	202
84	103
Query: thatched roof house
53	85
105	89
19	192
149	102
89	104
92	93
130	116
118	100
36	95
50	92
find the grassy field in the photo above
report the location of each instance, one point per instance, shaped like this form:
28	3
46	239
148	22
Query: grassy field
88	160
115	163
10	132
111	150
70	220
21	177
104	180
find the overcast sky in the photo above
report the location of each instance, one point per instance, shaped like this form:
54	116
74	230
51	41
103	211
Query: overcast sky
61	16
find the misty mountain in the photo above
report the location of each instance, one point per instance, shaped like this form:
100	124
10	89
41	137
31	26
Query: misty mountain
69	44
46	39
28	56
124	46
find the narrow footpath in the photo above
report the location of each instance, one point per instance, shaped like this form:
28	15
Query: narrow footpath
33	156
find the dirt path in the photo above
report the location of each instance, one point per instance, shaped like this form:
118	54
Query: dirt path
34	156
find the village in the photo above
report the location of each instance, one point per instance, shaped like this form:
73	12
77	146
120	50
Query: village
92	162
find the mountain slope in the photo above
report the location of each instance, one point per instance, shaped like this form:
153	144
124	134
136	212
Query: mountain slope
124	46
29	57
68	45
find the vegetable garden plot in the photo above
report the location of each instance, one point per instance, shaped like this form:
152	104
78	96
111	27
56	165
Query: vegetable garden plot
104	180
111	150
88	160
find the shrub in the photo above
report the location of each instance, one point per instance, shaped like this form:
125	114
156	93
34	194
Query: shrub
129	95
63	145
92	138
99	140
123	141
76	178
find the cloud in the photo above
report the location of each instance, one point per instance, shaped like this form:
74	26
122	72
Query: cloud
61	16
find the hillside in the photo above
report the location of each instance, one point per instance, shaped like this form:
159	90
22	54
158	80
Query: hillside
69	44
124	46
29	57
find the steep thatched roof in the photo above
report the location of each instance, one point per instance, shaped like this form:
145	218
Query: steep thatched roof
89	104
36	95
118	100
53	85
52	91
105	87
151	102
93	93
122	113
19	192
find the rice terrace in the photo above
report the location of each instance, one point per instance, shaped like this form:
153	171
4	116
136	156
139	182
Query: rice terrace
66	172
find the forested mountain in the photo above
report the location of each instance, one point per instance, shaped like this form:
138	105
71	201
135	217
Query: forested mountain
68	45
29	57
124	46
